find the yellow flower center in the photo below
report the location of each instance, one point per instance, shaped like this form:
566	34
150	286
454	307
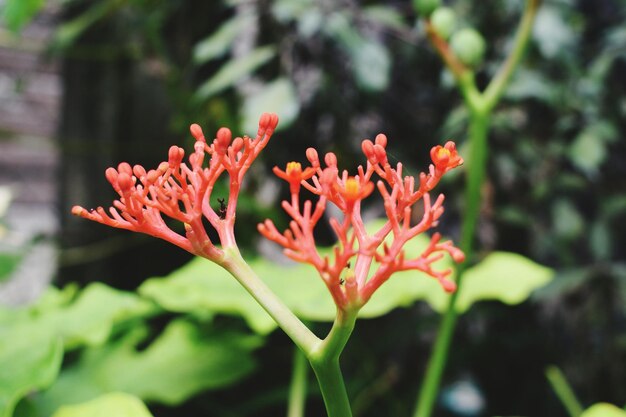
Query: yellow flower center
352	188
443	153
294	168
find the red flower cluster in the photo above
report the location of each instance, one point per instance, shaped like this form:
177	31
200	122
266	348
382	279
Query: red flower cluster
355	287
183	191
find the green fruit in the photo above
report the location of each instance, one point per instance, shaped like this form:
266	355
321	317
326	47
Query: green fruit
469	46
426	7
443	20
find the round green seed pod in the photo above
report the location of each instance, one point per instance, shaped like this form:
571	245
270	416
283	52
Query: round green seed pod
443	20
426	7
469	46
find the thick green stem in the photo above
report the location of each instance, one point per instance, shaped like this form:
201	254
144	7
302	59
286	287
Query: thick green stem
479	106
298	385
564	391
479	126
284	317
325	363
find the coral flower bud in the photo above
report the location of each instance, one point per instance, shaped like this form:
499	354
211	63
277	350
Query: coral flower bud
125	167
78	210
381	154
267	123
312	156
330	159
111	176
175	155
447	285
381	140
368	150
196	132
139	171
224	136
125	181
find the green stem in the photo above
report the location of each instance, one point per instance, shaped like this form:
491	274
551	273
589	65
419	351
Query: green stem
563	390
284	317
494	90
298	385
325	363
480	106
479	126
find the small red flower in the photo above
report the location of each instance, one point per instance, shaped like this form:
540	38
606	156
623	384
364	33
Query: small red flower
445	157
294	175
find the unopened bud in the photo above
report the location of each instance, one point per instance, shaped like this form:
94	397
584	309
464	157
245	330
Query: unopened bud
224	136
175	155
139	171
330	159
368	149
111	175
125	167
381	140
196	132
313	157
125	181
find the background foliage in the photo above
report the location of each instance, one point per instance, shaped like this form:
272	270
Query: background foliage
335	72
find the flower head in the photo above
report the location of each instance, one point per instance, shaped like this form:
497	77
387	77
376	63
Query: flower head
369	258
183	190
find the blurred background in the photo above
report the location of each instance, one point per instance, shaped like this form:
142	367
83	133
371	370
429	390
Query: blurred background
85	84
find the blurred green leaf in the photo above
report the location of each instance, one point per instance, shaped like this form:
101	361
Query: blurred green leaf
371	65
370	60
70	31
17	13
27	364
502	276
385	15
568	223
553	33
603	410
278	96
531	84
234	70
589	149
216	45
203	286
8	263
181	362
87	320
116	404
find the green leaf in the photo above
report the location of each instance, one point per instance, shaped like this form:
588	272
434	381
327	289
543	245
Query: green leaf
116	404
233	71
502	276
371	65
8	263
17	13
278	97
220	41
589	149
87	320
202	286
27	365
181	362
603	410
70	31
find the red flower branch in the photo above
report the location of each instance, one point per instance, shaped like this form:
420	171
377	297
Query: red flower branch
349	273
182	191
